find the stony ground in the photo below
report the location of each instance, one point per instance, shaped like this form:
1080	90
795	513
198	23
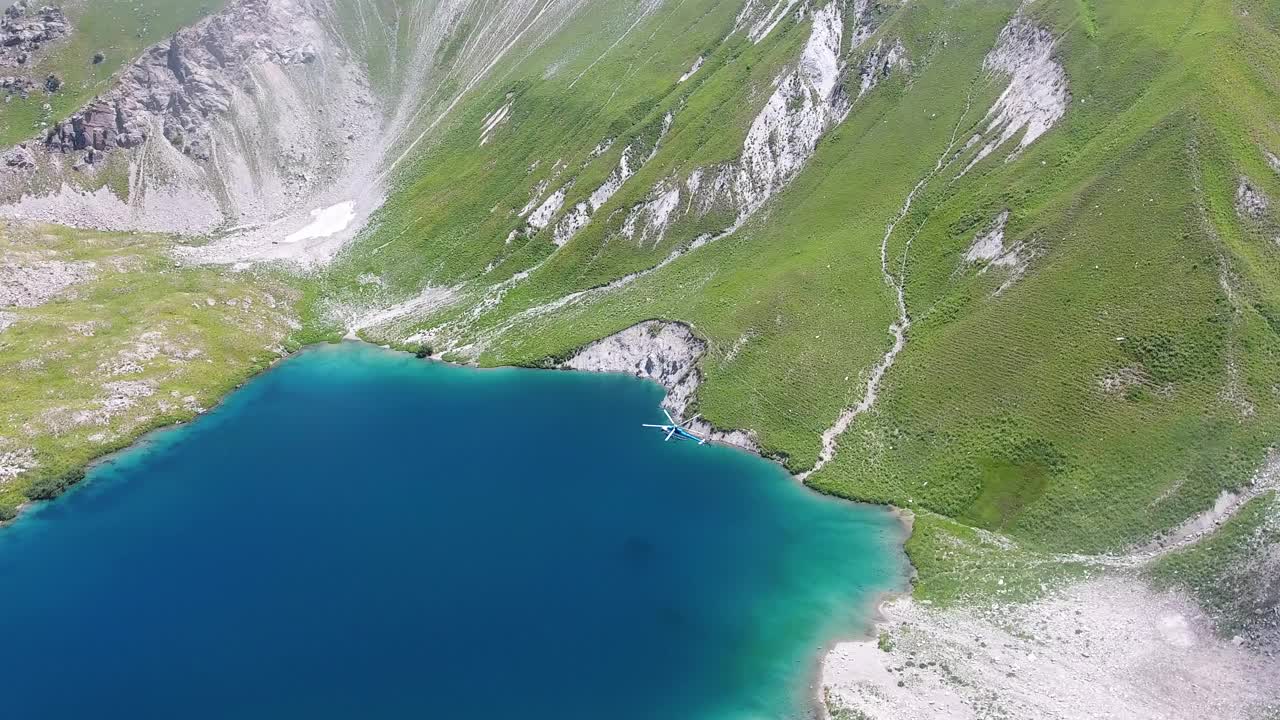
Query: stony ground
104	336
1109	647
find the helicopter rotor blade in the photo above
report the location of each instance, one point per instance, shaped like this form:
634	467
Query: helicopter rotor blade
670	434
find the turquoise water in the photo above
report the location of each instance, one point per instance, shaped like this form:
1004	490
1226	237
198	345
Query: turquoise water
360	534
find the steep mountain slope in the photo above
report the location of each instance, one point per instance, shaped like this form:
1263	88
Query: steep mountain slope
270	127
1013	266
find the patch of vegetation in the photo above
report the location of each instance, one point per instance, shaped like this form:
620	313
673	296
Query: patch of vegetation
139	344
838	711
1232	573
957	563
884	642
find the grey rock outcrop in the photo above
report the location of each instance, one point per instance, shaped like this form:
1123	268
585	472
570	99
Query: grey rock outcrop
1250	202
178	87
24	31
668	354
21	157
17	85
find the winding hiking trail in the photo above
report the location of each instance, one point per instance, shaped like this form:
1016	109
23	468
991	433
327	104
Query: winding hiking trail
898	329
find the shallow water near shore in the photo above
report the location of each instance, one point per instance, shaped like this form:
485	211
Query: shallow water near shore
358	533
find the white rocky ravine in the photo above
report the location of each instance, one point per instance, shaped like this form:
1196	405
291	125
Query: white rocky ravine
283	122
695	67
648	221
758	18
493	120
989	251
666	353
804	106
1037	95
879	63
540	217
806	103
988	247
634	156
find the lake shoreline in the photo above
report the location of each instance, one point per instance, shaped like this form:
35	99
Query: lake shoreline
872	607
876	617
164	490
141	437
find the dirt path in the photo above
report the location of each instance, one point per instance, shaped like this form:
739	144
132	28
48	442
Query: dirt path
898	329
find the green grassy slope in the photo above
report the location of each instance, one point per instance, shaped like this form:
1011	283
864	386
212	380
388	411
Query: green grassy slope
1115	387
1109	388
802	286
138	344
998	414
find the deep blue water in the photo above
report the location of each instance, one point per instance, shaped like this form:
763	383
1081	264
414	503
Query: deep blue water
360	534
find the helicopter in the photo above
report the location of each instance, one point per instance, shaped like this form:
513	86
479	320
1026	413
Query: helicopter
678	430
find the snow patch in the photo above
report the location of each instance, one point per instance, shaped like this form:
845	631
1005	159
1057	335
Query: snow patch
879	64
325	222
570	224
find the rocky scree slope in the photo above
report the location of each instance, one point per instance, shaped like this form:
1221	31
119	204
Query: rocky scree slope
24	32
272	113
